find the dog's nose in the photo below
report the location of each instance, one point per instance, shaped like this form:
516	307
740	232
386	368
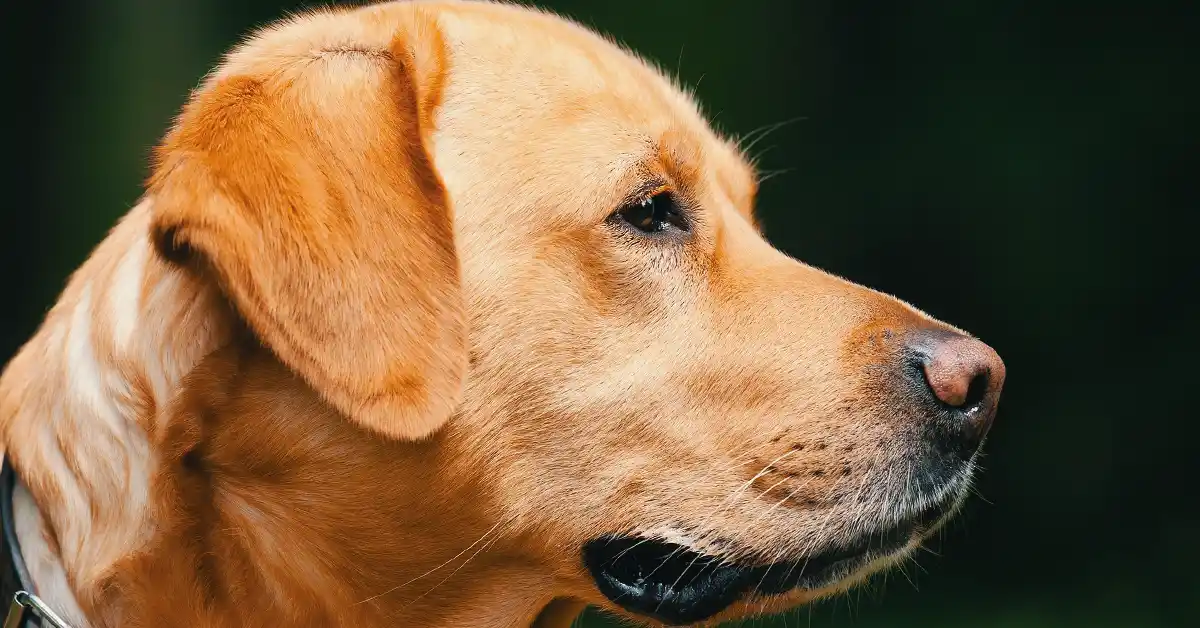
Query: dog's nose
964	376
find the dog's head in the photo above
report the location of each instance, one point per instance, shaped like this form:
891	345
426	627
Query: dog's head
489	217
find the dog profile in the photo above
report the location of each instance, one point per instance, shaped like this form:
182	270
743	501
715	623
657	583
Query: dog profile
444	313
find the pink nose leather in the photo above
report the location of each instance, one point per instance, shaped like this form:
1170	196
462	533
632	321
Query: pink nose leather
962	369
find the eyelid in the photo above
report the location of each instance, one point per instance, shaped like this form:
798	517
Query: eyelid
646	191
660	188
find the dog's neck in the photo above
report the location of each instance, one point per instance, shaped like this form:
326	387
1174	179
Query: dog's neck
92	399
82	395
285	509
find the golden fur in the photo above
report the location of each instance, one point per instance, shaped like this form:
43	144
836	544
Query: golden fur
370	353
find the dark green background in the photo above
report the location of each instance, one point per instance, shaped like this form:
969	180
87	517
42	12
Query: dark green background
1026	170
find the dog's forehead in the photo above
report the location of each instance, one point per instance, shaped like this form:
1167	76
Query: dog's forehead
536	65
556	96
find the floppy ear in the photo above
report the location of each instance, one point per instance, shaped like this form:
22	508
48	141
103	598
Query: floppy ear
300	181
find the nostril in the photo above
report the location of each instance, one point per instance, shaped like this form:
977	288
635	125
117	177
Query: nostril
976	390
949	381
960	371
961	390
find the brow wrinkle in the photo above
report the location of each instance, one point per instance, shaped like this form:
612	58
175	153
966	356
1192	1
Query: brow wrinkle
354	50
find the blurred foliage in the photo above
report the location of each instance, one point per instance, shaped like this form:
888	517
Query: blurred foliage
1024	170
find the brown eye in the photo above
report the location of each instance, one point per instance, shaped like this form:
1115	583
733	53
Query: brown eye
653	214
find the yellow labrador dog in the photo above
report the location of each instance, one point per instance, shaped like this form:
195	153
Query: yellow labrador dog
456	314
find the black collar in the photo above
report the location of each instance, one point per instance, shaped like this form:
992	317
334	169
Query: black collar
17	590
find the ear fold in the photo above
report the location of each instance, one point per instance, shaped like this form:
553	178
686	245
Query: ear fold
304	187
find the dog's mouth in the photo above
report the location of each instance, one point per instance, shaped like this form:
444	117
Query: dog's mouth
676	585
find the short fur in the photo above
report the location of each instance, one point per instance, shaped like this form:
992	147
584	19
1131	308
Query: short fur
370	352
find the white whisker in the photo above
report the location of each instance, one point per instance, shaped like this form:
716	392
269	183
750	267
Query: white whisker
452	559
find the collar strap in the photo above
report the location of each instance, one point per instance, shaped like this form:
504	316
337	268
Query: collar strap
26	609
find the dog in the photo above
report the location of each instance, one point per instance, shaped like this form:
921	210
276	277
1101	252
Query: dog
446	313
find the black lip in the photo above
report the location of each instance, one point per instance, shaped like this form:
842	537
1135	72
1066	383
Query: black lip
677	586
661	580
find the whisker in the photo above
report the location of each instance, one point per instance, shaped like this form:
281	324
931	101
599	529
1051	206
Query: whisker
768	490
681	574
703	524
767	175
452	559
904	573
732	498
628	549
786	548
825	524
732	463
758	134
456	569
777	504
975	491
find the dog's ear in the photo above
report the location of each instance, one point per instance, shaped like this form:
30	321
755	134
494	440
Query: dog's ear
299	179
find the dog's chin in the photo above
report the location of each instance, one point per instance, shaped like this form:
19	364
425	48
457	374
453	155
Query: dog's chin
675	585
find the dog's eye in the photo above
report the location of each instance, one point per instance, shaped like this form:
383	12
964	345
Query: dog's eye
653	214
